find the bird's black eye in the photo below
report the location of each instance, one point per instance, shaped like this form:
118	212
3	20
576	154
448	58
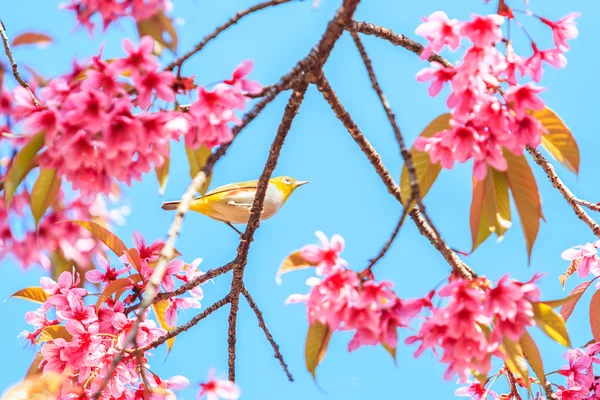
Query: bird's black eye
287	180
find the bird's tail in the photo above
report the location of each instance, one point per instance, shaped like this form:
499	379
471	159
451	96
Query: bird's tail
170	205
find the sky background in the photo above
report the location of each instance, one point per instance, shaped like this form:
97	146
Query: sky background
345	195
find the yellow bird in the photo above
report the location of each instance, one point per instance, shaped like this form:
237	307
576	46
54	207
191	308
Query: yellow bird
232	203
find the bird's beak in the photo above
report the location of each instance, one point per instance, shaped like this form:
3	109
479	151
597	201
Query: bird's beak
301	183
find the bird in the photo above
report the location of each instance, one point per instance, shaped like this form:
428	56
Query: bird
232	203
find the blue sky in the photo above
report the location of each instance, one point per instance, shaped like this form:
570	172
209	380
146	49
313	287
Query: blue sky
345	195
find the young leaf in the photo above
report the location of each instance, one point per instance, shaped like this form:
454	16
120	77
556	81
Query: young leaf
35	294
21	165
162	174
156	26
116	286
34	368
197	159
59	264
567	309
159	309
54	332
527	198
293	262
559	141
317	340
105	236
533	357
551	323
570	271
133	256
490	207
390	350
515	360
595	315
44	192
32	38
426	172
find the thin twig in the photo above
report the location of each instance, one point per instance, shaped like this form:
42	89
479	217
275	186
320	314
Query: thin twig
550	395
589	204
186	326
241	260
512	381
564	190
13	64
232	21
457	265
389	242
263	325
404	152
395	39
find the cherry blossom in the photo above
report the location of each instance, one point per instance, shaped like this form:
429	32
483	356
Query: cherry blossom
215	389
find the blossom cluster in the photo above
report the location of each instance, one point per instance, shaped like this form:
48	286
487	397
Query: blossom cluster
111	10
475	317
491	110
94	139
586	257
90	337
582	382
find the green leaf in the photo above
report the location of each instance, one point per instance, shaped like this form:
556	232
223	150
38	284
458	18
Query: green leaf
317	340
567	309
23	162
595	315
490	207
44	192
526	196
533	356
551	323
559	140
117	286
515	360
35	294
54	332
162	174
156	26
105	236
293	262
426	172
197	159
159	309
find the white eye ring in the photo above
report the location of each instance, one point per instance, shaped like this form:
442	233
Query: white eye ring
287	180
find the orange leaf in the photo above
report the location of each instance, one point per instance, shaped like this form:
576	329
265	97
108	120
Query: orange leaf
40	39
156	26
116	286
133	255
559	140
162	174
54	332
526	196
293	262
515	359
317	340
35	294
159	308
105	236
34	368
567	309
197	159
570	271
426	172
595	315
533	356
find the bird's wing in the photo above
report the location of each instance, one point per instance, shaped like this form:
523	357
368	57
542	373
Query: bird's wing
232	186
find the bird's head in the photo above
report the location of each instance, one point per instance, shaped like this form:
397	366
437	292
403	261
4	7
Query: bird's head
287	185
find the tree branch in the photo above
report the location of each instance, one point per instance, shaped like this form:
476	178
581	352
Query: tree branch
395	39
13	64
232	21
263	325
389	242
457	265
573	201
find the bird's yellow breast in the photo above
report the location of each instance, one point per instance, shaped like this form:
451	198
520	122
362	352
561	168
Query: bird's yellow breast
234	205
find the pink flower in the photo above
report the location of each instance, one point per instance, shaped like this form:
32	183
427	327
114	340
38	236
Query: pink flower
160	82
563	30
526	130
439	30
179	303
241	84
326	257
438	74
438	150
140	59
149	253
587	257
475	391
553	57
483	31
110	274
215	389
524	98
56	354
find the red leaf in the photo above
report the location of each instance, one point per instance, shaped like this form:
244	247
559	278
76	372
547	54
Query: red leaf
595	315
32	38
567	309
